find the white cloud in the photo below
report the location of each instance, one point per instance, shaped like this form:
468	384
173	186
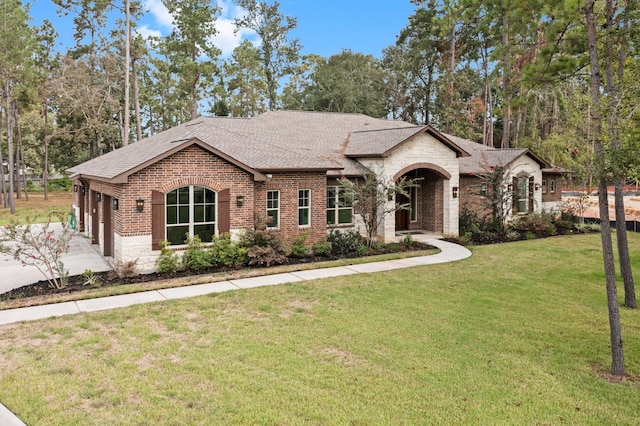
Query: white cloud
147	32
226	39
160	13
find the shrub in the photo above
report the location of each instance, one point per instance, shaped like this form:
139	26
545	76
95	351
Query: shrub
347	242
407	240
265	256
264	248
126	269
226	254
61	184
299	247
168	261
540	224
322	249
90	278
195	256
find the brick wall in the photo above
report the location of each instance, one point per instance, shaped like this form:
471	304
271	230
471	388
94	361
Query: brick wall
288	184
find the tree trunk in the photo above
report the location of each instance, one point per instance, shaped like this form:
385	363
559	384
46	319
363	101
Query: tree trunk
506	72
614	135
136	100
45	161
617	350
10	151
3	190
127	83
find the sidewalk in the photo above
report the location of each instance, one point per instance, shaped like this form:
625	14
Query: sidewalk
449	253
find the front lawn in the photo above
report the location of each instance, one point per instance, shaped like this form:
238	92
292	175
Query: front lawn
516	334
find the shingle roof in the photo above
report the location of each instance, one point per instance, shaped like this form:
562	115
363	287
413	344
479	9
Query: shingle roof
373	143
483	156
277	140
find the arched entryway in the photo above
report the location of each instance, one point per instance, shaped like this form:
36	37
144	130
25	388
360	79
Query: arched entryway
425	200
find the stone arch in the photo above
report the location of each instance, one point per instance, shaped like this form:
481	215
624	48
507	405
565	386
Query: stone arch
429	166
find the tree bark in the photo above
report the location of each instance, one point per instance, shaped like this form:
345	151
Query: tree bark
617	350
614	135
127	83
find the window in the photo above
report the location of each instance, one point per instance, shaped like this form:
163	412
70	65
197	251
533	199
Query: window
552	186
190	211
304	207
523	194
273	209
339	206
413	194
544	186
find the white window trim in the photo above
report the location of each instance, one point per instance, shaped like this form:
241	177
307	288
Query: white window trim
276	209
337	206
191	224
307	207
526	191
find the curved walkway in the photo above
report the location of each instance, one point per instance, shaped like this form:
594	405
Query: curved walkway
449	252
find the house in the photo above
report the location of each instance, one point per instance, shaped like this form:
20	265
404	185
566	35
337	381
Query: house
532	184
218	174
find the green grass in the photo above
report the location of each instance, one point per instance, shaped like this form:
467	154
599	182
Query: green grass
516	334
37	208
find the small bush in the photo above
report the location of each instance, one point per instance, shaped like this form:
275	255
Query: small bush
299	247
61	184
264	247
347	242
322	249
168	261
226	254
407	240
195	256
90	278
265	256
126	269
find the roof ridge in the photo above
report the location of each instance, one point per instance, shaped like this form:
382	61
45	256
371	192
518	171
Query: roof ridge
392	128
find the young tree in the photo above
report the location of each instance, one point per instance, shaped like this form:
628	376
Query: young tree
278	55
371	196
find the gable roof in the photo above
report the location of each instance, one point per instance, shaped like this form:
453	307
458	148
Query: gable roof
483	156
273	141
380	143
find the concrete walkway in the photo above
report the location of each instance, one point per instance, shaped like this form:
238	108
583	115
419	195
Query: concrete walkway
80	257
449	252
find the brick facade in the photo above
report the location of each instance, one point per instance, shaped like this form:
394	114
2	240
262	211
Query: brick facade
131	230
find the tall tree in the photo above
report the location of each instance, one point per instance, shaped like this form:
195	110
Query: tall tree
246	87
278	54
617	351
613	36
189	47
17	46
347	82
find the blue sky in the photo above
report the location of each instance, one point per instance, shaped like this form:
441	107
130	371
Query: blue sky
325	27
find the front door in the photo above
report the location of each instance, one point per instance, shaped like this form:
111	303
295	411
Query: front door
402	216
108	225
95	221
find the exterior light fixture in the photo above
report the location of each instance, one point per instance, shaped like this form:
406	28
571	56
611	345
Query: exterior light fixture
83	191
75	188
240	200
537	186
139	205
98	197
510	187
455	192
115	204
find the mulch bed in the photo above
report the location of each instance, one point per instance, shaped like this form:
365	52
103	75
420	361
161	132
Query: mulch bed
78	283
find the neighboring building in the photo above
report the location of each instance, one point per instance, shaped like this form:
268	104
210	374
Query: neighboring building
215	175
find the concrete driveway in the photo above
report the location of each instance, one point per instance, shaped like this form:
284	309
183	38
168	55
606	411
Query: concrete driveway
80	257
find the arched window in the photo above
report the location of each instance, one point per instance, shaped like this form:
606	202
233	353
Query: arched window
190	211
